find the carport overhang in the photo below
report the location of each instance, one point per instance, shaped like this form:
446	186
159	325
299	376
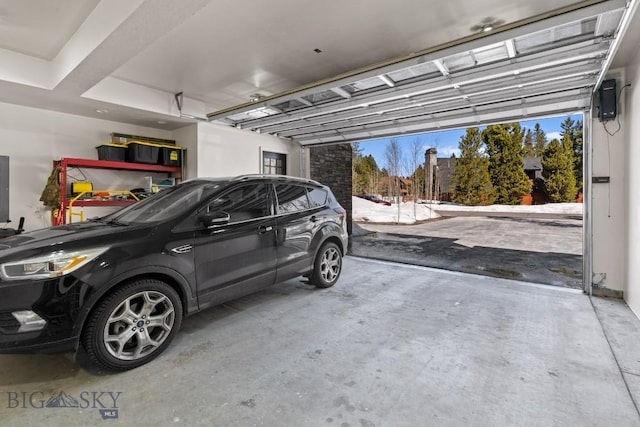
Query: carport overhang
546	65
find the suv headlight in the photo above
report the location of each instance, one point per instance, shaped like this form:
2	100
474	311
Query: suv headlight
55	264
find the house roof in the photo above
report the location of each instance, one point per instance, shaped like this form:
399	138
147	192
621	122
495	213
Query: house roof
532	163
446	166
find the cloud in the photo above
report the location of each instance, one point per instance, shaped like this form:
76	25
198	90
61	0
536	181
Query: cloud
447	151
554	135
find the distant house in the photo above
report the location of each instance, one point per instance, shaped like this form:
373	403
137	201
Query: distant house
387	185
533	169
438	173
441	170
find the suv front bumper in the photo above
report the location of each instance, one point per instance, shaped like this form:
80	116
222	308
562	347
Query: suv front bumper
55	301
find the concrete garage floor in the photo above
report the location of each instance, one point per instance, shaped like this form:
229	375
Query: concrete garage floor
540	250
389	345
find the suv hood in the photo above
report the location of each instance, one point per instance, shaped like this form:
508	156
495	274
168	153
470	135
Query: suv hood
72	236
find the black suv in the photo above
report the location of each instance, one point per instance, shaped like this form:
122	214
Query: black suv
121	284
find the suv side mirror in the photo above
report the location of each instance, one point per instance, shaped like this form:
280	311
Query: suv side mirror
212	219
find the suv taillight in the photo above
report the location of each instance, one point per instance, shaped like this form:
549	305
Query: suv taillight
340	211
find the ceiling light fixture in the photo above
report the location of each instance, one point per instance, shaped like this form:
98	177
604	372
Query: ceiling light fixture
486	25
161	122
255	97
102	111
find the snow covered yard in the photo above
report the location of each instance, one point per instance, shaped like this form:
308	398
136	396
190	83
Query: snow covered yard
366	211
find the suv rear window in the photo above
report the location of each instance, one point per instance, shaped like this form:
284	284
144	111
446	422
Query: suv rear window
317	197
291	198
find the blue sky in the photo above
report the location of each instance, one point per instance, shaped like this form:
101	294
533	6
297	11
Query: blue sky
446	142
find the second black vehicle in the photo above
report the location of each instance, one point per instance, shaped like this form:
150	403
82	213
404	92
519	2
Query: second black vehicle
120	285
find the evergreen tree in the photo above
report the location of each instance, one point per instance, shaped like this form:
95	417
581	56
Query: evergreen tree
527	145
567	126
364	172
470	178
419	176
370	174
577	154
539	141
415	161
506	167
356	158
573	130
557	169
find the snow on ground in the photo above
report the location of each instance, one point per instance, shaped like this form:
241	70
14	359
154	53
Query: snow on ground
554	208
367	211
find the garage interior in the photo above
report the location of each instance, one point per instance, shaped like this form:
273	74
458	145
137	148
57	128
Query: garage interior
390	344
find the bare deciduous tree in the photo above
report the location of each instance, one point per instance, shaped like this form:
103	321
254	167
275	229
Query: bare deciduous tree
393	157
416	156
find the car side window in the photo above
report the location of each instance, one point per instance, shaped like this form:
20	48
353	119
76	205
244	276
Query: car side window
243	203
317	197
291	198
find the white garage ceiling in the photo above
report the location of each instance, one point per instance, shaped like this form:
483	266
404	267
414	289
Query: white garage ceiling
381	65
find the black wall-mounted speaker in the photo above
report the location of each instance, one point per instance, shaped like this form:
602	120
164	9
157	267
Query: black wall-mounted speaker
608	101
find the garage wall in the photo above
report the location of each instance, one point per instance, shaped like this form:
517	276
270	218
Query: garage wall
632	197
187	137
33	138
226	151
609	201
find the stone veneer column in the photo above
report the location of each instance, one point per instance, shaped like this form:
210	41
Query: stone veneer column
331	166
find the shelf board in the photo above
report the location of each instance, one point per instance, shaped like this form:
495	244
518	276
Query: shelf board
87	203
108	164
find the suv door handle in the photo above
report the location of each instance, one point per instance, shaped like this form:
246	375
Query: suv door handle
264	229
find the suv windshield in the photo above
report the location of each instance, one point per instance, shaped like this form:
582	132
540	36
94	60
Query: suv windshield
166	204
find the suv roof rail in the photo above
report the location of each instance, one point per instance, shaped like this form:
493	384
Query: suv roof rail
248	177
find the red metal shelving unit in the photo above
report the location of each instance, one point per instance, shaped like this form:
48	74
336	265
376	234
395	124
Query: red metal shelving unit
68	162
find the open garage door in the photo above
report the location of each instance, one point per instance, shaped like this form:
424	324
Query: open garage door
547	66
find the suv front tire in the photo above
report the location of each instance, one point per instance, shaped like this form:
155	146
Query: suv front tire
133	325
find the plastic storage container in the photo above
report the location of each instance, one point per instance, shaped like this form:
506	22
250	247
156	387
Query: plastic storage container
143	152
112	152
170	156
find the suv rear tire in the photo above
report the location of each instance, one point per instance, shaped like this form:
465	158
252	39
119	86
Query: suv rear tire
133	325
327	266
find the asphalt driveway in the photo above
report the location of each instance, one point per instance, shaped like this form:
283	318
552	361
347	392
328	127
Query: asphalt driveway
539	250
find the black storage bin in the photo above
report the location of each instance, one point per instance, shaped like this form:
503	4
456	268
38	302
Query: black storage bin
112	152
170	156
140	152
